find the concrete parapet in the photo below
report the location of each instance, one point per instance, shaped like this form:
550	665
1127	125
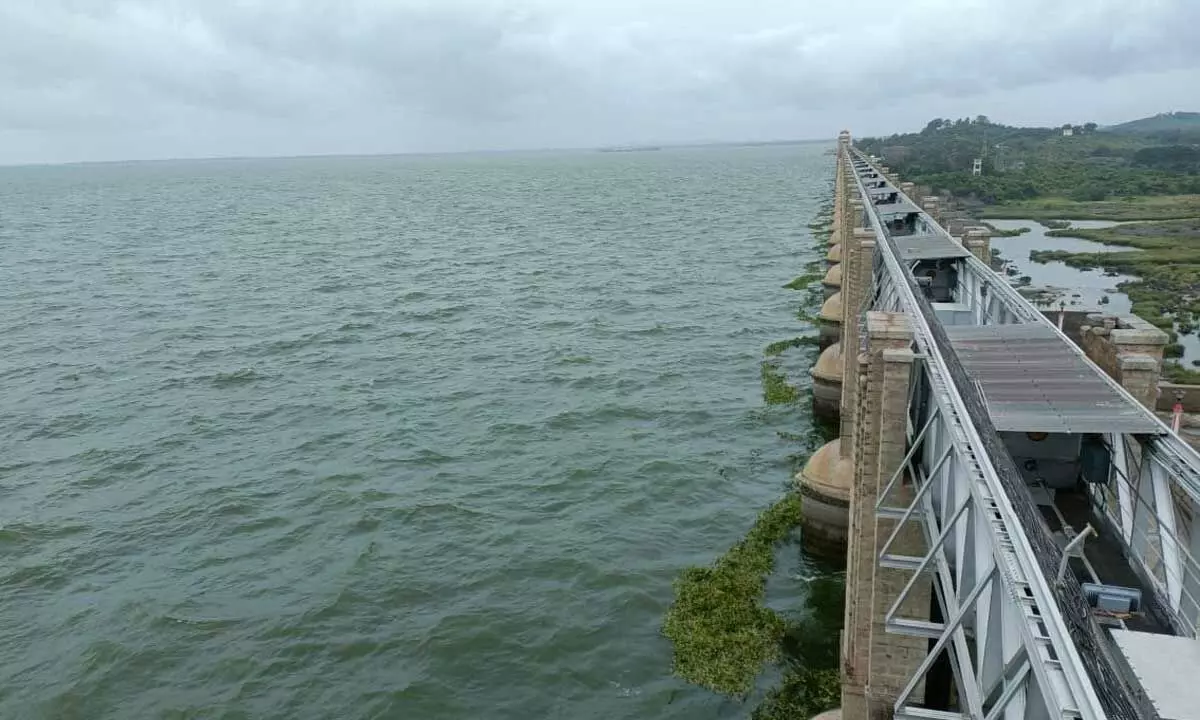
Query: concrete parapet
1127	334
978	241
1129	349
932	205
1139	375
1072	321
887	326
857	269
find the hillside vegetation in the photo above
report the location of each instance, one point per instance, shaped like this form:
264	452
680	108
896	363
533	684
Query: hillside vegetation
1164	125
1023	164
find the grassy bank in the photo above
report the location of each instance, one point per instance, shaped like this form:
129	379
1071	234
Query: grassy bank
1155	207
997	232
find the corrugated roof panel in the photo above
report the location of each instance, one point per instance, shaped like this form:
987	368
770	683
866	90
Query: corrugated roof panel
928	247
1033	381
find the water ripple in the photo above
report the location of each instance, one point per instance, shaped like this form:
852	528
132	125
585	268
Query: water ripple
416	437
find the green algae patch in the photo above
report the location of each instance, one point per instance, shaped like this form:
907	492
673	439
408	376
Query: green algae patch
722	634
802	282
776	389
805	692
778	347
811	651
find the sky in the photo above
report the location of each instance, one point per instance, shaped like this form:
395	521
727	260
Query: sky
86	80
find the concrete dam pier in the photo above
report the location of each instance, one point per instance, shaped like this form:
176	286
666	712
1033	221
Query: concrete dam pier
1021	530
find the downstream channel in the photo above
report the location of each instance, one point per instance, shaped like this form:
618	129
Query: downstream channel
1055	282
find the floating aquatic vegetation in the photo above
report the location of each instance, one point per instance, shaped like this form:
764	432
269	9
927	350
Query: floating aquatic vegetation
805	692
803	281
997	232
722	634
776	389
778	347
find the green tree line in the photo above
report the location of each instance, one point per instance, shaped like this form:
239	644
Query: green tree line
1026	163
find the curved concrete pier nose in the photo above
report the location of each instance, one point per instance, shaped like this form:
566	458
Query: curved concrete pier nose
825	484
827	383
832	282
830	319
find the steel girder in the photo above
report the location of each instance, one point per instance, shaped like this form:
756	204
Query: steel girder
993	629
1010	651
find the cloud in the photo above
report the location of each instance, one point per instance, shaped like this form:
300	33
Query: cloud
83	79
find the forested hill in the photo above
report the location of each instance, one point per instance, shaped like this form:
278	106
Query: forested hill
1081	162
1165	125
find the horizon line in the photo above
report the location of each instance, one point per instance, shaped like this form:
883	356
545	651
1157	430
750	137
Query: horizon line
421	153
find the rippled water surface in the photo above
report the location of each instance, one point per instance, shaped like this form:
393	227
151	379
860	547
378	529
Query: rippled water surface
422	437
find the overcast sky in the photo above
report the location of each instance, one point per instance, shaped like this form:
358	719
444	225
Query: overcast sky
131	79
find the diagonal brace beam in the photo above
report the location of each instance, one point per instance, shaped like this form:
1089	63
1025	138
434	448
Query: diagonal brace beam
930	480
952	627
937	544
906	462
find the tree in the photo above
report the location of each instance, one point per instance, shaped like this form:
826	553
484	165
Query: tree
1089	127
1088	191
982	120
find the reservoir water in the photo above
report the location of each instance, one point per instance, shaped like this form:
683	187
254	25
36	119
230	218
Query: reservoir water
406	437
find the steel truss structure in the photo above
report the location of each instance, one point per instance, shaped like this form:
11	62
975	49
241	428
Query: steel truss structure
1010	651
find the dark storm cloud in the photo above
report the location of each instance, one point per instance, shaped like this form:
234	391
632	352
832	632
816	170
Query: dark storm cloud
140	78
